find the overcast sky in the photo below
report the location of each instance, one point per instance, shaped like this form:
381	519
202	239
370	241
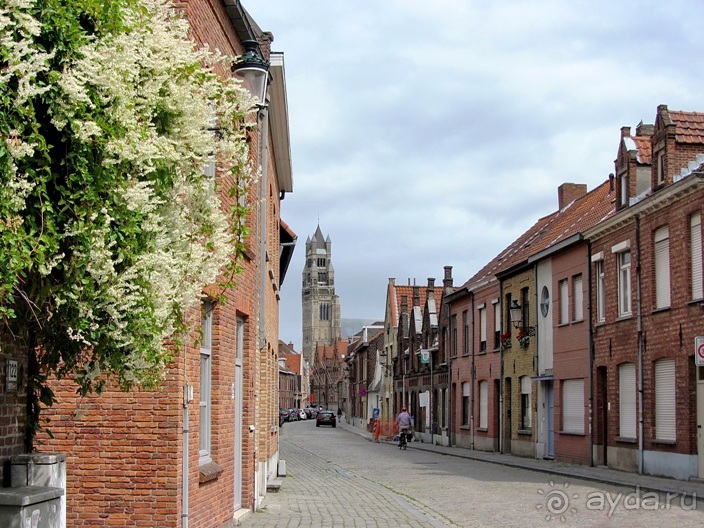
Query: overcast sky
426	134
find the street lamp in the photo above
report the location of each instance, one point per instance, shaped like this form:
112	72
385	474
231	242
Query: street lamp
517	319
252	70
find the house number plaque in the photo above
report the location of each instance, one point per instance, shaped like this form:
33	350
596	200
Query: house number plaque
11	368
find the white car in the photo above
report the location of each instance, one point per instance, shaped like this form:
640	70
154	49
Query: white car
302	414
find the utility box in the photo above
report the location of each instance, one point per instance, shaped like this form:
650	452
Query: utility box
30	507
46	470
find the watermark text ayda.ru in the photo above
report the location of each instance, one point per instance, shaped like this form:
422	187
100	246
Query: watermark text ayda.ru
560	503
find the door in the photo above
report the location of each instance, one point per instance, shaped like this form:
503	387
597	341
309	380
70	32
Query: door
507	415
551	419
237	397
602	417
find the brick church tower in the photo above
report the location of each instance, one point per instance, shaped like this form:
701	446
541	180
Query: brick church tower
321	307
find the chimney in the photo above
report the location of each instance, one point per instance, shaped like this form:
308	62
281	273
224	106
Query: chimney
611	183
392	281
569	192
431	288
447	281
645	130
416	296
625	132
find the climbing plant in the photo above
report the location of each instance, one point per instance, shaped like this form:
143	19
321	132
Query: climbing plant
110	224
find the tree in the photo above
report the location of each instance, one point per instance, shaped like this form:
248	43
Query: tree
109	225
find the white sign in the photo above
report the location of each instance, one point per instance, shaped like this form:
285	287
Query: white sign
11	375
699	350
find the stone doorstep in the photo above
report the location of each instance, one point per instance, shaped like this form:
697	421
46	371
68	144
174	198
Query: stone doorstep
274	485
281	469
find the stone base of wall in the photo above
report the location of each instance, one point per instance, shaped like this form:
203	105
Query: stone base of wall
523	448
674	465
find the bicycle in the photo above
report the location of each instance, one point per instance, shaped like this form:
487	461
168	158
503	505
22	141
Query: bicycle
402	439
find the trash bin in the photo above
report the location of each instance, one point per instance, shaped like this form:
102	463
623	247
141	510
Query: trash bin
45	470
30	506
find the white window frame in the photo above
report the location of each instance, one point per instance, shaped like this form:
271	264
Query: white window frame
695	255
624	282
206	366
578	298
662	267
573	406
526	390
465	403
665	400
484	404
482	329
600	291
497	324
564	288
627	400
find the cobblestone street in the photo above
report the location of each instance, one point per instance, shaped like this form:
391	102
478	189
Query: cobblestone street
340	479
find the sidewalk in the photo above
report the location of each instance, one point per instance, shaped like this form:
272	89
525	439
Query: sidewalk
597	474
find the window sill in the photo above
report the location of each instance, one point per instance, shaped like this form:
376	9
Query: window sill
660	310
482	429
464	427
572	433
696	302
208	472
525	431
664	442
626	440
626	317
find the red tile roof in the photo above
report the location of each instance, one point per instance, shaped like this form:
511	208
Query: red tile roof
689	126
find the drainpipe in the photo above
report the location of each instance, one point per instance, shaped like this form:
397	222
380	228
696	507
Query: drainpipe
500	432
591	355
186	446
640	349
472	378
263	204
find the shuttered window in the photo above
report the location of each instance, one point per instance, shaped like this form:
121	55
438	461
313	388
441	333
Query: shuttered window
484	404
662	267
564	302
206	325
600	295
465	403
624	283
627	400
526	389
695	238
578	298
665	411
573	406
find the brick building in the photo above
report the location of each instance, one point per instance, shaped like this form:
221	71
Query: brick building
647	288
199	450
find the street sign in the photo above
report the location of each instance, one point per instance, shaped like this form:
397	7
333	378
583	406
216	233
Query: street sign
375	413
699	350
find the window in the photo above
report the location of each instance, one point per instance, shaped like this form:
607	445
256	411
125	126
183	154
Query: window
624	283
573	406
482	329
465	325
600	297
453	328
564	302
662	162
578	298
526	387
484	404
627	400
465	403
324	312
695	242
497	325
624	189
662	267
665	408
206	326
525	309
507	314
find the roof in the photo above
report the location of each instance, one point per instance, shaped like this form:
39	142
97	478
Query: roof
396	292
689	126
551	232
643	147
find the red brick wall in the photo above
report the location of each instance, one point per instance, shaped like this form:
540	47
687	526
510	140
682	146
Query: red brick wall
12	407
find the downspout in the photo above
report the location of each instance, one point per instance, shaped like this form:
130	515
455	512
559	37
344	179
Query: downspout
591	355
472	378
263	204
186	446
500	432
639	320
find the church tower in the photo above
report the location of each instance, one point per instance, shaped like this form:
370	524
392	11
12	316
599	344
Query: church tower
321	307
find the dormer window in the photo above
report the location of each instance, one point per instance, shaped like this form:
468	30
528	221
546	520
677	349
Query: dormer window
624	189
662	162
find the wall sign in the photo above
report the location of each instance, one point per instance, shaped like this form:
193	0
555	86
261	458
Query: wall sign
11	375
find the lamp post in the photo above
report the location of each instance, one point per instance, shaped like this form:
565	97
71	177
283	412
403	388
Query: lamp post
253	70
517	319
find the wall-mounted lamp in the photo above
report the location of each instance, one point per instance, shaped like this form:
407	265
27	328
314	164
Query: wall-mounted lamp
517	319
253	70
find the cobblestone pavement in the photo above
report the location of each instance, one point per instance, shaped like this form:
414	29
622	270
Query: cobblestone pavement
339	479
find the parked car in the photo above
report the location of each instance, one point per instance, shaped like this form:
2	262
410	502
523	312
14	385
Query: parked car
293	415
326	418
310	412
283	416
301	414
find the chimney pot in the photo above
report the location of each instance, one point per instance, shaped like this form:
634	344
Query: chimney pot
569	192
